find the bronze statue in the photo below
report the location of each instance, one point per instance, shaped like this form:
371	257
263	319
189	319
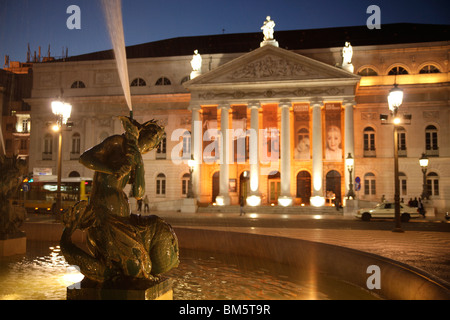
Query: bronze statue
123	247
12	171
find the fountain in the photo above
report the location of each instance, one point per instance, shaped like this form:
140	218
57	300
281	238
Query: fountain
12	240
113	15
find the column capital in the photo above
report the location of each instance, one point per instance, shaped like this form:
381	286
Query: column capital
348	102
285	103
254	104
224	105
194	107
318	102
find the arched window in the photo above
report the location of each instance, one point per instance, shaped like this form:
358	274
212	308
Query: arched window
433	184
367	72
163	81
185	184
161	149
369	184
138	82
78	85
429	69
74	174
161	185
185	79
76	138
369	142
397	70
431	141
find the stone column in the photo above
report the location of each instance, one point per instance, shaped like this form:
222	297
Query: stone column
285	198
254	198
349	136
317	198
196	148
223	198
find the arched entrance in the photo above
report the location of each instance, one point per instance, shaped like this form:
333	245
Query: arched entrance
244	184
333	186
304	186
215	185
274	187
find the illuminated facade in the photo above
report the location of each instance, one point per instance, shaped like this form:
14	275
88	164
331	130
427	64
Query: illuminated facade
267	123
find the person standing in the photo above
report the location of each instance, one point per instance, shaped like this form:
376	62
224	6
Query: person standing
146	204
241	206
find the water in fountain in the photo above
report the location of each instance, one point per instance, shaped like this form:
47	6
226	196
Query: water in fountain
113	14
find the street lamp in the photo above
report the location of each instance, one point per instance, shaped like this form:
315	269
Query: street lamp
62	112
191	164
423	161
395	99
350	162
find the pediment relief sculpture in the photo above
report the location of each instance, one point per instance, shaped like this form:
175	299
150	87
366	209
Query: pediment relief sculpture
274	67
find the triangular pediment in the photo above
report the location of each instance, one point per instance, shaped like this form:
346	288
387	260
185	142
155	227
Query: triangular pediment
269	64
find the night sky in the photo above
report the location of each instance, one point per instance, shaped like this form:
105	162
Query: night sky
43	23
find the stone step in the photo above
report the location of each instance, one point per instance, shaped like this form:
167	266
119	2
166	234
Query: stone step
271	209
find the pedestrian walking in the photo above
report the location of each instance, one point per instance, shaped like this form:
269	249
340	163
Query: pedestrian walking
241	206
146	204
421	208
139	205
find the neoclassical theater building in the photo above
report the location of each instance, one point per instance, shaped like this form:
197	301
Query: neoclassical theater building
267	117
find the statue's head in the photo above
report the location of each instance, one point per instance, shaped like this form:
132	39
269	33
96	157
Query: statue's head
148	134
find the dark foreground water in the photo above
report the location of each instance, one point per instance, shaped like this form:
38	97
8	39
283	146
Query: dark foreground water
43	274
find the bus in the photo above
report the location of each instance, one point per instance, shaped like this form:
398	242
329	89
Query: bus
39	196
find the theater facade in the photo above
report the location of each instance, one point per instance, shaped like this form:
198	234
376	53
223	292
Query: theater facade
270	121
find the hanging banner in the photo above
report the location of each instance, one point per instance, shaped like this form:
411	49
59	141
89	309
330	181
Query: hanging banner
333	132
302	143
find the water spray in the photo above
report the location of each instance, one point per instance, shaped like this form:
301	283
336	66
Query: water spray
113	14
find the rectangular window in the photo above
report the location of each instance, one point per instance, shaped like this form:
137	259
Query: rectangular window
184	186
403	187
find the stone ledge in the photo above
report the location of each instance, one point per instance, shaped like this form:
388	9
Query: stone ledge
142	290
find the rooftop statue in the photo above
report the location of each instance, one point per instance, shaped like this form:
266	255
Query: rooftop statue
12	171
267	29
122	247
347	54
196	62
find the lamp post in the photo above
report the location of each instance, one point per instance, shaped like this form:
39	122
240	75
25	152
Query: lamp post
191	164
350	162
395	99
423	161
62	112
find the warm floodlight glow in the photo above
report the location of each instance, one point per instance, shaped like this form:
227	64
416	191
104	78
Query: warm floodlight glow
395	98
317	201
220	201
284	201
253	201
55	128
397	120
